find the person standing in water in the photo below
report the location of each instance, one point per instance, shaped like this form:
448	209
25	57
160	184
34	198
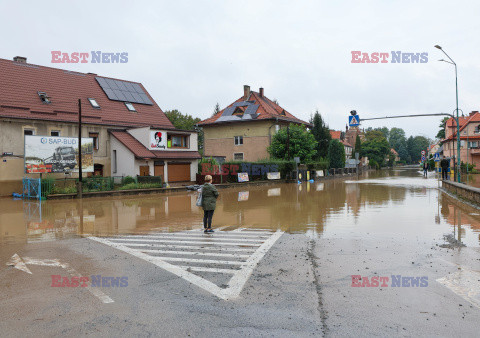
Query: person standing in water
425	168
209	201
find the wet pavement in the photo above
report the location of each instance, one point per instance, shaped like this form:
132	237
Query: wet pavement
280	263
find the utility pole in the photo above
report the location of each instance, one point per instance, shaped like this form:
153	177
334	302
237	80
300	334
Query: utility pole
80	181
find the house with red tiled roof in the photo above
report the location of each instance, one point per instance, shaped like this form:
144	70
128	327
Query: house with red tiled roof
339	135
469	139
395	153
120	116
243	130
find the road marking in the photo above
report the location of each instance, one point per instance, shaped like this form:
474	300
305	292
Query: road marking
242	265
21	264
192	247
207	238
195	253
222	234
465	284
174	241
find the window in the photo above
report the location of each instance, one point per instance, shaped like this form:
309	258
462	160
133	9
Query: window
238	156
277	128
477	129
130	106
95	140
44	97
55	133
238	140
177	141
238	112
114	161
473	144
28	132
94	103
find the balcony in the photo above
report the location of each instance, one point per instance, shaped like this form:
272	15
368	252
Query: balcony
475	151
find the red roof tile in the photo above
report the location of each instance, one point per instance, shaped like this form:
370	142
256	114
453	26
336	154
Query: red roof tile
140	151
335	134
20	82
346	144
267	110
463	122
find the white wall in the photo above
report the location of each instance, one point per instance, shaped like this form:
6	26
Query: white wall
125	159
193	170
142	135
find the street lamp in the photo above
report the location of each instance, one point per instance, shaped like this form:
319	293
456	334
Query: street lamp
458	124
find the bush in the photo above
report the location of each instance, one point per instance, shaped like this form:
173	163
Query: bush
128	180
463	167
374	164
64	190
134	185
321	164
210	160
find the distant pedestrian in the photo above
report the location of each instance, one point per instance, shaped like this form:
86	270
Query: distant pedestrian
209	201
425	168
444	163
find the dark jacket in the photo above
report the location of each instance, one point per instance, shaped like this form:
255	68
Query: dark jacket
209	197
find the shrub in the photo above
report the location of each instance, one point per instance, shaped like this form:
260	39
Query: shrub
128	180
134	185
210	160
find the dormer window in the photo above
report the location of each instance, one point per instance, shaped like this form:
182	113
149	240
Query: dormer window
238	112
44	97
283	113
94	103
130	106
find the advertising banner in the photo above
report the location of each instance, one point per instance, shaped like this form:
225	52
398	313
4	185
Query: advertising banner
243	196
242	177
158	140
48	154
273	176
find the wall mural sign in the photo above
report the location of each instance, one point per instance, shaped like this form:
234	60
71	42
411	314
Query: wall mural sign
158	140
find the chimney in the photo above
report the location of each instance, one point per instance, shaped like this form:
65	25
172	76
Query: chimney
473	112
246	92
20	59
261	91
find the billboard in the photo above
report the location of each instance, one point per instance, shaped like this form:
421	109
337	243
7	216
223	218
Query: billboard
48	154
158	140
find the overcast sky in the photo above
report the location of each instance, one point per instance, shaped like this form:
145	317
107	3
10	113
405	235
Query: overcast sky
191	54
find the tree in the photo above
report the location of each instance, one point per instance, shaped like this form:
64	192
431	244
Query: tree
441	132
376	147
186	122
336	154
301	143
358	146
182	121
384	131
216	110
415	145
397	138
321	132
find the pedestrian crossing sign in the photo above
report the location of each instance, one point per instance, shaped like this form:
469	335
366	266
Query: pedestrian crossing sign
436	157
353	120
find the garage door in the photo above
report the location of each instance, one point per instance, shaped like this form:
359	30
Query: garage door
178	172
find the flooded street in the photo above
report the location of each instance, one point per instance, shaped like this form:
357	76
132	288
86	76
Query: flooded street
396	201
285	260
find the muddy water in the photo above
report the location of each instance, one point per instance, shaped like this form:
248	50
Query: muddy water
398	202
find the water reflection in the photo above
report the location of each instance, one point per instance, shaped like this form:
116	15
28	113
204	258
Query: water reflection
397	201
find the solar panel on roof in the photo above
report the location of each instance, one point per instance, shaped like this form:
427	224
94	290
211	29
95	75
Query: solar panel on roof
123	91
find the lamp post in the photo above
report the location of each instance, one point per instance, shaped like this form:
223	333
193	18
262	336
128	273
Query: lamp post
457	120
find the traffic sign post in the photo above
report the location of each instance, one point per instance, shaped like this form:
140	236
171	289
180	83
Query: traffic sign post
354	121
436	157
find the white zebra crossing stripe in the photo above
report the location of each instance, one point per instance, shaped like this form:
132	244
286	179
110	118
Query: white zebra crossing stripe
199	258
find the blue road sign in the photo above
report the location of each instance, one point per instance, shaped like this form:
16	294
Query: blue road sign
436	157
423	158
354	121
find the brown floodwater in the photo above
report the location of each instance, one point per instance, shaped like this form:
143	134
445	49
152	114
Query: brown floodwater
399	202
